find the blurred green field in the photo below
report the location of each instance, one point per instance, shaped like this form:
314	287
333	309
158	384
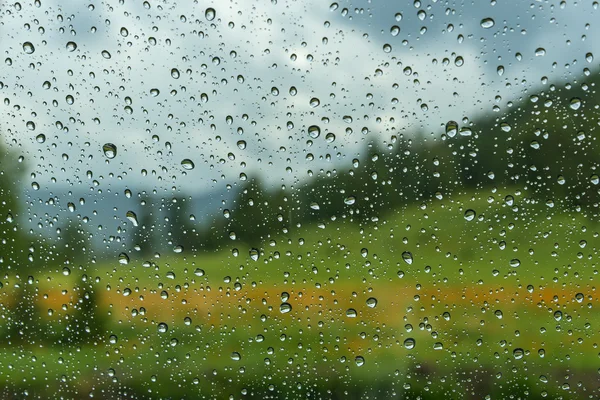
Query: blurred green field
481	321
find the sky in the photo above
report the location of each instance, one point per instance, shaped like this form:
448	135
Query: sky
172	81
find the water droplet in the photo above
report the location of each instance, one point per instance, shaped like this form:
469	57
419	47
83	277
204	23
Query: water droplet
154	92
518	353
110	150
241	144
451	128
364	253
395	30
558	315
350	200
469	215
351	313
409	343
71	46
372	302
162	327
132	217
254	254
293	91
314	102
330	137
314	131
210	14
41	138
487	23
175	73
28	48
359	360
106	54
124	32
498	314
540	52
285	308
123	258
438	346
500	70
199	272
575	103
187	164
407	257
459	61
235	356
387	48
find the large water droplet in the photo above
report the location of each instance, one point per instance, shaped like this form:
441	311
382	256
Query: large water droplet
314	131
162	327
187	164
575	103
470	215
110	150
285	308
132	217
71	46
372	302
123	258
351	313
210	14
451	128
28	48
254	254
314	102
409	343
487	23
106	54
407	257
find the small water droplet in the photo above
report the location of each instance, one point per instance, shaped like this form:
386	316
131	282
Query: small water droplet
235	356
106	54
254	254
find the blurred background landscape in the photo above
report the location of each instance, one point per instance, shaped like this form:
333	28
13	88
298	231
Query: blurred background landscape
249	243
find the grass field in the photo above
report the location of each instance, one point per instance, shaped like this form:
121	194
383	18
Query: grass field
502	304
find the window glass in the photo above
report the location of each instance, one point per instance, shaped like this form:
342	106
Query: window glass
299	199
